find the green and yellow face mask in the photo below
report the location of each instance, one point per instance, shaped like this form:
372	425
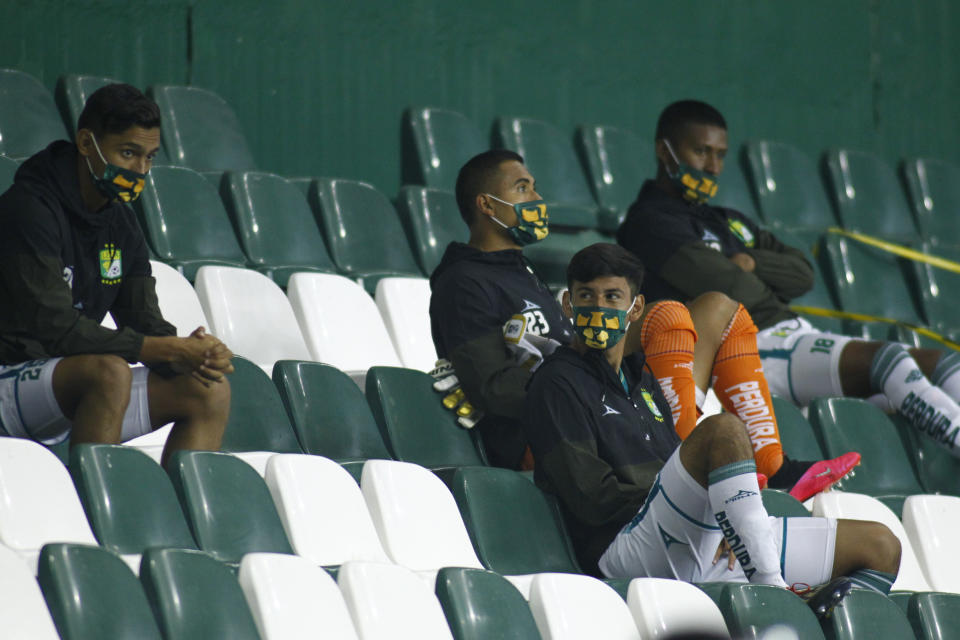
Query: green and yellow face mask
696	186
600	327
532	221
117	184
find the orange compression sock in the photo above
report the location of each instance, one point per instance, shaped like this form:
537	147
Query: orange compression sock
668	337
741	387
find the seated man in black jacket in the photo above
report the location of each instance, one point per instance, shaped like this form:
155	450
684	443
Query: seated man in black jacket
640	503
689	247
71	251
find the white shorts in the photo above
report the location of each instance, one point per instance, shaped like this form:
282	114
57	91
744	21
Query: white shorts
674	536
29	409
801	362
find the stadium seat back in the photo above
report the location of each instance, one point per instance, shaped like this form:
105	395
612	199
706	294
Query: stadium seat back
551	256
275	225
22	607
404	305
329	412
618	162
71	95
322	510
258	421
8	169
416	517
481	604
496	504
939	288
855	270
128	498
433	221
750	610
228	505
550	157
414	423
734	191
184	221
93	594
865	614
437	142
340	322
200	130
796	434
195	597
850	424
930	522
934	616
869	196
29	120
293	599
934	189
781	503
559	605
178	299
789	189
664	608
858	506
362	229
250	313
389	601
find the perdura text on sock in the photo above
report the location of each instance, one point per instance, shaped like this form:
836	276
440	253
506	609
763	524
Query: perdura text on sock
928	420
736	544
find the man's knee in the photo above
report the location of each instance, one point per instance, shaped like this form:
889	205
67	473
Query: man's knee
885	547
207	396
108	375
713	307
724	427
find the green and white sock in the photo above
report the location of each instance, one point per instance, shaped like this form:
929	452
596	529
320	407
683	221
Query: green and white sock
878	581
929	409
737	506
946	375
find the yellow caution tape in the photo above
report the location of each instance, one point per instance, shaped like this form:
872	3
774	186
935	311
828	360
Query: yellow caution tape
863	317
900	250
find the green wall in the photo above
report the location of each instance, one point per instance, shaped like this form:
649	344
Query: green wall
319	86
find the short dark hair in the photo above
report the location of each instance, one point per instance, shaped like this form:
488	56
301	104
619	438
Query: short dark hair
114	108
683	112
475	177
605	259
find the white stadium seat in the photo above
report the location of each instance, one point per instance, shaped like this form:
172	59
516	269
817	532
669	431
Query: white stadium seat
23	611
178	300
404	305
250	314
664	608
322	510
567	606
293	599
931	523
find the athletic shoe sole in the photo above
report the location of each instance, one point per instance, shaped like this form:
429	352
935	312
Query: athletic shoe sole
823	475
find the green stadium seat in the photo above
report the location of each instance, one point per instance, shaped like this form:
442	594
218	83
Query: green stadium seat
551	256
8	169
751	609
228	505
481	604
934	616
850	424
855	269
496	504
868	196
200	130
185	222
617	161
415	425
71	95
550	157
29	120
432	220
92	594
937	470
128	498
781	503
195	597
274	224
939	288
436	143
868	614
734	191
362	230
934	189
258	421
329	413
798	438
788	187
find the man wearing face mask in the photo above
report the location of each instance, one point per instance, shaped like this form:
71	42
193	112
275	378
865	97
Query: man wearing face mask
637	501
70	252
690	246
480	285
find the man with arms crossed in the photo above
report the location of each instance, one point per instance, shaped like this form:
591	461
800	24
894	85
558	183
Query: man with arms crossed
71	251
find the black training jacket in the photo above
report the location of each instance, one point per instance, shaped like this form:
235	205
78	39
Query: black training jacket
594	447
474	293
62	268
685	248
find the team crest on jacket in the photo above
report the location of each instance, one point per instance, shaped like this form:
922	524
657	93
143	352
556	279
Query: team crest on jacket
648	398
741	231
110	264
